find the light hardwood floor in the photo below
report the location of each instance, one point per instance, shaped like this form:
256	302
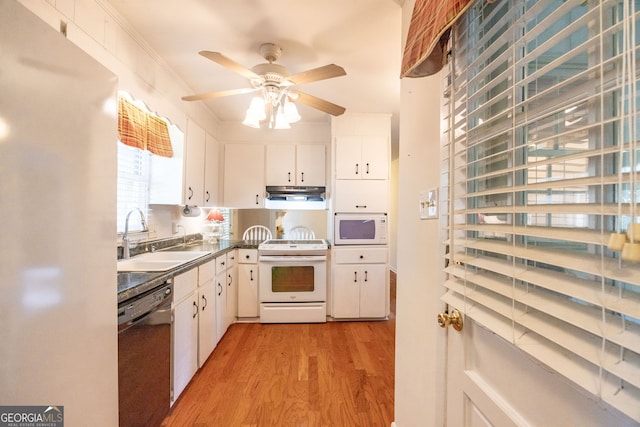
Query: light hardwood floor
331	374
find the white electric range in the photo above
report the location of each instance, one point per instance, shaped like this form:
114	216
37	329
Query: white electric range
293	281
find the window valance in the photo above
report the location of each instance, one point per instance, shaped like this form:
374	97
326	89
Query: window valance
142	130
425	50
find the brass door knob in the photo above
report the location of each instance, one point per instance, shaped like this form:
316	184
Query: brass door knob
454	319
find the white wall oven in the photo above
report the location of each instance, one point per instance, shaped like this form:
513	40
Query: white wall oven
293	281
360	229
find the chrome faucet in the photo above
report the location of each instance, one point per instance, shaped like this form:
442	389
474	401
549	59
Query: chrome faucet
125	236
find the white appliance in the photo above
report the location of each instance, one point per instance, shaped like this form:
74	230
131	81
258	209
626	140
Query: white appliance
293	281
58	129
360	229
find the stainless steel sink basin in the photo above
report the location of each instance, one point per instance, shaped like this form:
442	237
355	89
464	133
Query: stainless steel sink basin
159	261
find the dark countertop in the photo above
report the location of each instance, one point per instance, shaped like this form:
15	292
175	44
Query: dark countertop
131	284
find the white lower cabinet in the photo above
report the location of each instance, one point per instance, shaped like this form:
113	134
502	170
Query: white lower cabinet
207	332
226	292
360	285
185	331
247	283
232	288
221	304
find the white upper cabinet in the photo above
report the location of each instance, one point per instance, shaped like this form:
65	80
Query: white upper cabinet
244	177
201	167
211	170
296	165
194	165
362	157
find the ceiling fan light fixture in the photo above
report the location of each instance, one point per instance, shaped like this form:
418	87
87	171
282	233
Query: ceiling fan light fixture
281	120
291	112
251	120
256	108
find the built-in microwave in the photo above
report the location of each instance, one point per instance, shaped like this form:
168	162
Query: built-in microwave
360	229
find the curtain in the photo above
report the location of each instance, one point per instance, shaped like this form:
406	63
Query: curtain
139	129
425	50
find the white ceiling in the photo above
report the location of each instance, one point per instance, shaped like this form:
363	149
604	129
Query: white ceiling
362	36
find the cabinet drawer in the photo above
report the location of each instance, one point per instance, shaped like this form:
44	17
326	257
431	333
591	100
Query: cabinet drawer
247	256
221	263
206	272
184	284
360	255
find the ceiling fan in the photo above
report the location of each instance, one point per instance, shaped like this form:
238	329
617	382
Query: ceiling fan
274	81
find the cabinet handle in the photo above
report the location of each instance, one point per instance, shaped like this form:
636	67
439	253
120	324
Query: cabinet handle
361	256
356	169
288	176
190	193
195	311
204	304
367	168
220	287
355	276
251	275
222	263
366	275
246	257
208	196
361	206
230	279
302	176
257	199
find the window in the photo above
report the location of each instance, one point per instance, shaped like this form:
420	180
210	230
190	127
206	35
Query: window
133	185
541	166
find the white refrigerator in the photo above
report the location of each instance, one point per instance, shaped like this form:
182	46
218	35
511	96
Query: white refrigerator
58	332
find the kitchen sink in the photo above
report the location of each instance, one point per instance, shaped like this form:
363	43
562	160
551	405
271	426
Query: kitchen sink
159	261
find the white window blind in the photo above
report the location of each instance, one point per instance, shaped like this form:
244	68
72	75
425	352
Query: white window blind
133	185
540	165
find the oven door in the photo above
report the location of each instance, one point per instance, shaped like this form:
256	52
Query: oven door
299	278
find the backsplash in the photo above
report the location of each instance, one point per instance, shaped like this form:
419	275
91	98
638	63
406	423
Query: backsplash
156	245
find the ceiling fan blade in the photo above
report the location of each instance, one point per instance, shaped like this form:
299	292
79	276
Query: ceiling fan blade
210	95
321	73
229	63
319	104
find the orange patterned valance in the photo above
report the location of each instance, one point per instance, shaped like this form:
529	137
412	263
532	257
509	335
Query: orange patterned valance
425	50
142	130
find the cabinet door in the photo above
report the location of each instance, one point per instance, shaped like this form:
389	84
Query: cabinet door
211	169
221	304
373	290
207	333
311	165
232	295
345	292
194	165
248	290
244	181
348	157
281	165
375	157
185	343
361	196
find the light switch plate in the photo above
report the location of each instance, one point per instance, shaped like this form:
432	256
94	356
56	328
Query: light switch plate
429	204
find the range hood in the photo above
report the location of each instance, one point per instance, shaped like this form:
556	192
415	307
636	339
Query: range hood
298	197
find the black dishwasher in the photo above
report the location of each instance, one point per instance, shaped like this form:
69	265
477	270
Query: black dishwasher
144	357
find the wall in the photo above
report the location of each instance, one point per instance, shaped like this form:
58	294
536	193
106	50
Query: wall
418	338
96	28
